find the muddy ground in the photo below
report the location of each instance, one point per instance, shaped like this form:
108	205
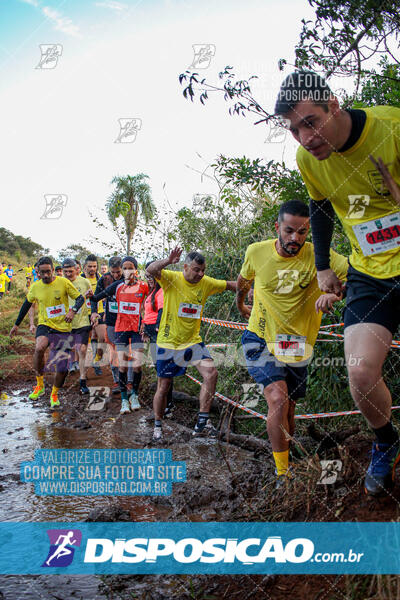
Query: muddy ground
228	479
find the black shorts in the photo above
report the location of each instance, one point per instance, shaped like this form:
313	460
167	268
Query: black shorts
81	334
61	344
371	300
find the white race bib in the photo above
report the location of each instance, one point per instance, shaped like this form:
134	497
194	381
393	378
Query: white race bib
190	311
378	235
129	308
290	345
88	303
55	311
113	307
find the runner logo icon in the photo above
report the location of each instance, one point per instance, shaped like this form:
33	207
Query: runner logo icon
61	551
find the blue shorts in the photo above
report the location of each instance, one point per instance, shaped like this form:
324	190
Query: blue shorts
265	368
122	339
173	363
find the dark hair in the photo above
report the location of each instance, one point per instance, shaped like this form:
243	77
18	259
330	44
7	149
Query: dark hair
293	207
91	258
114	262
299	86
45	260
155	289
196	256
131	259
68	262
58	268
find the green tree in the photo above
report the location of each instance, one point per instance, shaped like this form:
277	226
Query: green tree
130	200
74	251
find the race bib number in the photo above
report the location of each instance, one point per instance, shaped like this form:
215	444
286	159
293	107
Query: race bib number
129	308
113	307
55	311
290	345
378	235
190	311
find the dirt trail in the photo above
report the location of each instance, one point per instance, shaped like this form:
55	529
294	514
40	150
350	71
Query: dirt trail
225	482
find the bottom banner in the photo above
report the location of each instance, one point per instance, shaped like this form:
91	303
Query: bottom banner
201	548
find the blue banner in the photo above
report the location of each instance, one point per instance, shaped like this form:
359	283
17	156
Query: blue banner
202	548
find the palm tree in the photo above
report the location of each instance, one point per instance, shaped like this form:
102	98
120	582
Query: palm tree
131	198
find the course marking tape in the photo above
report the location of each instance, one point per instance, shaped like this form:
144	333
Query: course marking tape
264	418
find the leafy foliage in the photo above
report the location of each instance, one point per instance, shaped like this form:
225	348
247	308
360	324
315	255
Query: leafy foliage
130	200
12	244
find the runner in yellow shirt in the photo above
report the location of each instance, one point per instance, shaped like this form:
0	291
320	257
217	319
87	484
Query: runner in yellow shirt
52	295
4	279
178	342
284	320
336	160
81	326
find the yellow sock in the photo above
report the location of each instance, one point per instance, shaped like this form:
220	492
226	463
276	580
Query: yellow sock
281	461
39	381
54	390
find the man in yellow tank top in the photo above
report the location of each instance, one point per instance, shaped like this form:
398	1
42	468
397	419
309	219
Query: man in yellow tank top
336	160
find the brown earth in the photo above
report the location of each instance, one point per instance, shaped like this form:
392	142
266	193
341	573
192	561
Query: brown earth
227	482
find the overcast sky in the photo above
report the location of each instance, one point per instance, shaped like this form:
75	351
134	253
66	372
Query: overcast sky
121	60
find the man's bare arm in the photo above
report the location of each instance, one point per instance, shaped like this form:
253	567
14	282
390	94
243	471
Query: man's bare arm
155	268
242	289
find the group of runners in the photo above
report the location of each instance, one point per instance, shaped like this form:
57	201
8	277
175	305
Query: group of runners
349	161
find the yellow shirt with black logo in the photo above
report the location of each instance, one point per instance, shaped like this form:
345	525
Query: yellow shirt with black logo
285	291
81	319
183	308
100	306
3	279
53	302
364	205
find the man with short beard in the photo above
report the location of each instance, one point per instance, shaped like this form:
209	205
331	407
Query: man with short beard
284	320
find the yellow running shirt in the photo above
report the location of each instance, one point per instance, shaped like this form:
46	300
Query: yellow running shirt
285	291
183	308
93	282
3	279
369	214
81	319
28	271
53	302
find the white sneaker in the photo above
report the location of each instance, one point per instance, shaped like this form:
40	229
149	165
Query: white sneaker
157	433
124	407
133	401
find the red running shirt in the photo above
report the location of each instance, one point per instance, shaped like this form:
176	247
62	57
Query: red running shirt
130	299
150	315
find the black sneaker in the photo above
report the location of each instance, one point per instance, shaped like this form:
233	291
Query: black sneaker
169	410
380	473
206	430
83	389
